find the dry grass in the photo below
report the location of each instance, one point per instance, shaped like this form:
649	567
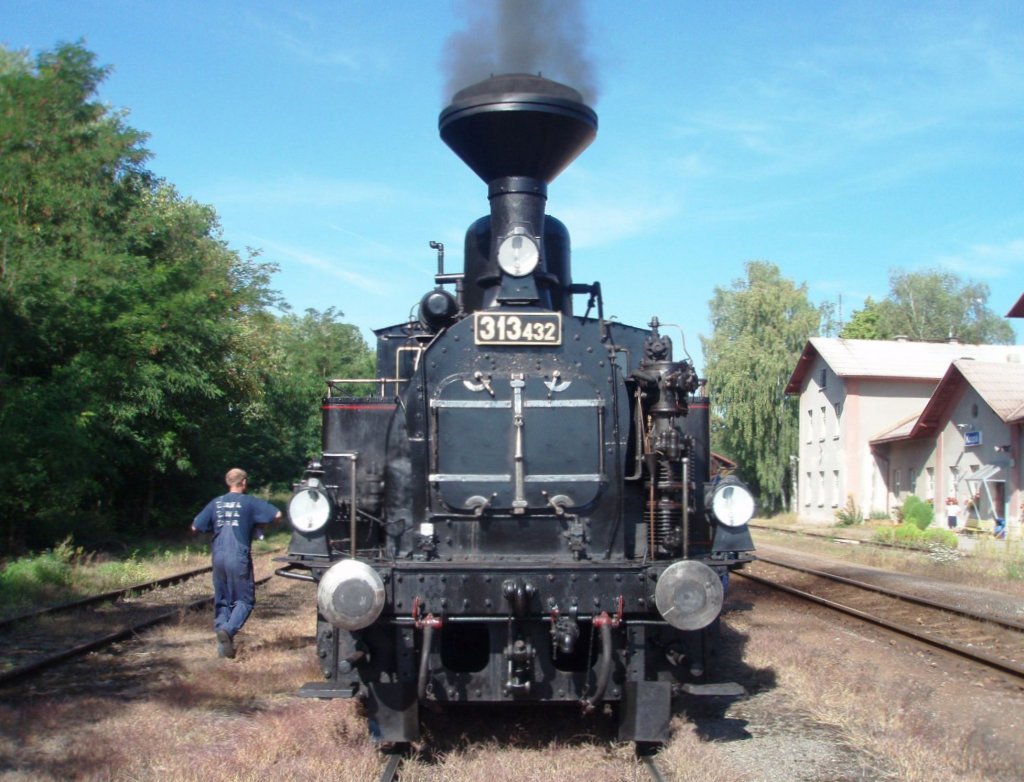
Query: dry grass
986	567
167	709
887	699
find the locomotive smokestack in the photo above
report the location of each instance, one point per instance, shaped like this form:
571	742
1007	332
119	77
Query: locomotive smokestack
518	125
517	132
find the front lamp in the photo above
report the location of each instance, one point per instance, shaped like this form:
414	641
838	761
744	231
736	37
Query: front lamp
732	504
310	507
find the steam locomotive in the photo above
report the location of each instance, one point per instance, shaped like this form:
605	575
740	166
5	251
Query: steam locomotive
524	512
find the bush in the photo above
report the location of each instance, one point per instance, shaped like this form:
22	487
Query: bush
849	515
940	537
38	577
917	512
1015	569
902	535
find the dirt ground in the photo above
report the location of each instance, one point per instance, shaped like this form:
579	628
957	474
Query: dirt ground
909	711
830	700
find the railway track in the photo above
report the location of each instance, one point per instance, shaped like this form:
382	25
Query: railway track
994	641
833	538
104	597
40	640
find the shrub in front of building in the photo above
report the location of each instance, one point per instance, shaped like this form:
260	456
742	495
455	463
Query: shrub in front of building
916	511
849	515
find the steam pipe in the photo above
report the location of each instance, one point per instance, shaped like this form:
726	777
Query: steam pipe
604	671
421	682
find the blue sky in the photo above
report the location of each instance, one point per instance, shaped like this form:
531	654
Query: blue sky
838	140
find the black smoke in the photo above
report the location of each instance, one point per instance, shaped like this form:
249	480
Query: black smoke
548	37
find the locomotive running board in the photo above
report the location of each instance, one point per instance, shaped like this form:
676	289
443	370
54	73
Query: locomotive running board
729	689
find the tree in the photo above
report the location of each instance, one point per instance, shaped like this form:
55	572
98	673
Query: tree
70	173
934	306
300	355
122	313
759	328
140	356
864	324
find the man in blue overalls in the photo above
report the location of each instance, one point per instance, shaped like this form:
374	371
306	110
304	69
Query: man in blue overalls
232	517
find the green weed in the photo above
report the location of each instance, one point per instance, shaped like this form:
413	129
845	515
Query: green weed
850	514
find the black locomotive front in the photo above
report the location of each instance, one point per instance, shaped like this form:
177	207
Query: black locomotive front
525	511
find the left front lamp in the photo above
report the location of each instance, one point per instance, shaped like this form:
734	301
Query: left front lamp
310	507
350	595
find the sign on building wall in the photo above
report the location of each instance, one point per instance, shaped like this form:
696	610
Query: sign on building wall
972	438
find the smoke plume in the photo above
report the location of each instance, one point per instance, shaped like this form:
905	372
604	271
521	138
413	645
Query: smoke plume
521	36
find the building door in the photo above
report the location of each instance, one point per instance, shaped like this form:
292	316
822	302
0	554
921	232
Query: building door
999	499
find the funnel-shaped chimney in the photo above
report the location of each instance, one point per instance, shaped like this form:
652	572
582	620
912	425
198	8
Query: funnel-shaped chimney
517	132
518	125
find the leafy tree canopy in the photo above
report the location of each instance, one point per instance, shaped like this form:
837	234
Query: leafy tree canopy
140	356
931	306
760	326
864	324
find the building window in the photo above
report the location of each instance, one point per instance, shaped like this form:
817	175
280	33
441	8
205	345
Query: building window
896	483
974	410
824	426
835	489
810	426
823	378
808	488
912	480
930	486
821	489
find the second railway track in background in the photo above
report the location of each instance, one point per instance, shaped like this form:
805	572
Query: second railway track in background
105	597
991	640
35	641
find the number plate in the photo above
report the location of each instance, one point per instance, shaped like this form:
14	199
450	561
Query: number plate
517	328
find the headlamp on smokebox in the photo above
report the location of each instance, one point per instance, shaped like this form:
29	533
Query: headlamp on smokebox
310	507
518	255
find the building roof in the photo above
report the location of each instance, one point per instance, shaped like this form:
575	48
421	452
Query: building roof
892	359
1017	310
999	384
898	431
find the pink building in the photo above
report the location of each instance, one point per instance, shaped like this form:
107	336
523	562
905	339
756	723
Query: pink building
880	420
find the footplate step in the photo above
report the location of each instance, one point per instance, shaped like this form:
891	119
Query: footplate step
731	689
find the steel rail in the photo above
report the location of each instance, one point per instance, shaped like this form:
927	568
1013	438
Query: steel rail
905	596
390	771
110	596
652	768
53	660
835	538
909	632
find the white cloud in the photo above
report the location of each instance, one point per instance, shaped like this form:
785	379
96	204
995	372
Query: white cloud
333	267
600	224
308	46
990	261
299	191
